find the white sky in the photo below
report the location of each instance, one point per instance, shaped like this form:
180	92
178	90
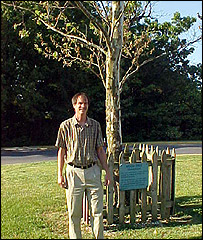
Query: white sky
164	10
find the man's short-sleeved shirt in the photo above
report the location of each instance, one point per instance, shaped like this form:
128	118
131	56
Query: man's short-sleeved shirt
80	142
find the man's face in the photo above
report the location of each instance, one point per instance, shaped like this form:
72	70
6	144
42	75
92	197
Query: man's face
81	105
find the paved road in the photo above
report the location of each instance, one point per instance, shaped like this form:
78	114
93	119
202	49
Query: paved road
27	155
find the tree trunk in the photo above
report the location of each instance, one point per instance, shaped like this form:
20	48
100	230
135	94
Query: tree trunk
113	112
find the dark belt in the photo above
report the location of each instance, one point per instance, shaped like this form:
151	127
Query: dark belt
83	167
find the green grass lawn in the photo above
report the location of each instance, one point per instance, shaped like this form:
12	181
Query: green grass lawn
33	205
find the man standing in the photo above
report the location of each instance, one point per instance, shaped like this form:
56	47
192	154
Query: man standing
80	145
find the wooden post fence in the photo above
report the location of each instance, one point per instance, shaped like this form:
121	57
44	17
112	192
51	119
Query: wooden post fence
156	200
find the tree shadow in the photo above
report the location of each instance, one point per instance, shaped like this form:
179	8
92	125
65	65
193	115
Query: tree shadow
189	207
188	210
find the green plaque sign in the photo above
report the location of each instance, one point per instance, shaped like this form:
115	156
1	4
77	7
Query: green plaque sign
133	176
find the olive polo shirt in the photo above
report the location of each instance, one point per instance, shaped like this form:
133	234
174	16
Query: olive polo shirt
80	142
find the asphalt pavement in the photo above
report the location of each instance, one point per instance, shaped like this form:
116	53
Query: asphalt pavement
15	155
27	154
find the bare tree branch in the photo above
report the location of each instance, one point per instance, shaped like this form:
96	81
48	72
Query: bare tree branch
128	73
82	40
94	21
100	66
99	12
106	14
143	13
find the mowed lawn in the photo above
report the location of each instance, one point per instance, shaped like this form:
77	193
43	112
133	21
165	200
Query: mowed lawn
33	206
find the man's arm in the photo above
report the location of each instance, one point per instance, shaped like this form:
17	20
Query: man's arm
61	154
102	158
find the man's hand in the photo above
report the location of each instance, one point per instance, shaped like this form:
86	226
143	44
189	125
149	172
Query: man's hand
107	179
102	157
62	183
60	180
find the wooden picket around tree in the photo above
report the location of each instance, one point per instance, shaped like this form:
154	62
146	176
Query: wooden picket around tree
157	201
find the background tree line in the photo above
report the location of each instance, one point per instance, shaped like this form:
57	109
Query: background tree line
162	102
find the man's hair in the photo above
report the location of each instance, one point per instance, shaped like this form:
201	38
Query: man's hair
75	97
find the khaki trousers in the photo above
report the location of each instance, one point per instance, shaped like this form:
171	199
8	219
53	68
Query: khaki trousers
80	180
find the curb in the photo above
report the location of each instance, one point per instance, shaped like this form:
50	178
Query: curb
31	148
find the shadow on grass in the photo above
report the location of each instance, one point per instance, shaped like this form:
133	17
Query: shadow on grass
188	210
198	237
189	207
